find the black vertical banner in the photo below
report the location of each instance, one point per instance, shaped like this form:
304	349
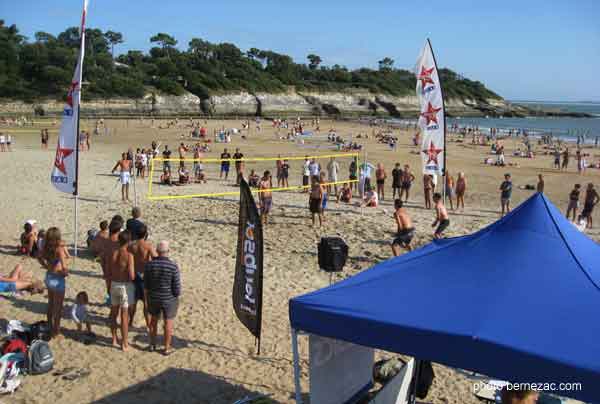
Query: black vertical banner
247	286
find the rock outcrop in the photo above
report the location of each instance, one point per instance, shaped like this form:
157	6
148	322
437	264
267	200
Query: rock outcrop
291	103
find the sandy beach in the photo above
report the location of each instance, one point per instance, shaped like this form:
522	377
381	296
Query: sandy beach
214	359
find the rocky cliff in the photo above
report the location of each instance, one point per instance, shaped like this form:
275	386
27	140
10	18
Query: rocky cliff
292	103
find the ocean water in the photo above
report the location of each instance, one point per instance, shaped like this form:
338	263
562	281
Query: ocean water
568	128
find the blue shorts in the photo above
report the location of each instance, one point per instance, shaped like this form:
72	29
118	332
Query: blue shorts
225	168
7	287
54	282
138	282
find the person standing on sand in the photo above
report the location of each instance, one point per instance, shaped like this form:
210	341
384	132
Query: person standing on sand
405	229
265	196
125	166
143	252
461	187
579	159
333	169
162	284
565	156
225	156
591	200
540	184
407	180
352	174
441	216
574	201
557	159
380	176
396	180
450	189
54	258
182	150
315	200
505	194
305	174
427	189
239	166
121	268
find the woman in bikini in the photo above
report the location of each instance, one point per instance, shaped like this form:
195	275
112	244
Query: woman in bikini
54	258
461	187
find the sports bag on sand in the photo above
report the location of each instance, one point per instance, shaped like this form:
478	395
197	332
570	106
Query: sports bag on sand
40	359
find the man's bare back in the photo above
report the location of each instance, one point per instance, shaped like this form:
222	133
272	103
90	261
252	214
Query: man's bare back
442	213
143	252
403	220
120	265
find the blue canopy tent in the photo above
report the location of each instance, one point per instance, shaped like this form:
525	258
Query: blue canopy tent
519	300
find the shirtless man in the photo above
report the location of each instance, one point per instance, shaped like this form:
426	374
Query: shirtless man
461	187
406	231
182	150
441	216
591	200
97	245
122	292
107	247
406	181
266	197
143	252
125	166
315	200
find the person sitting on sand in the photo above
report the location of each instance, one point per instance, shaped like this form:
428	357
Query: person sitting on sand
345	194
371	199
121	270
265	196
165	178
405	229
505	194
28	240
79	312
441	216
519	396
184	176
125	166
17	280
253	179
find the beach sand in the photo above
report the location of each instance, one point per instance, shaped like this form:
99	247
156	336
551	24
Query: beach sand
214	359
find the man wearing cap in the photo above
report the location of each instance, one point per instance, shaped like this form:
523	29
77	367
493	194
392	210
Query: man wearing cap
163	287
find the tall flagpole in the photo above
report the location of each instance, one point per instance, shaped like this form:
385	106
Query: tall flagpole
444	109
76	182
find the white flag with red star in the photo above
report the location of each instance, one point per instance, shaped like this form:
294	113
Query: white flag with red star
432	116
64	176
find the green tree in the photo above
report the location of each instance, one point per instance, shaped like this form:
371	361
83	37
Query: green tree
165	41
314	60
113	38
386	64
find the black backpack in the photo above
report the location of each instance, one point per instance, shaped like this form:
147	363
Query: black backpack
39	358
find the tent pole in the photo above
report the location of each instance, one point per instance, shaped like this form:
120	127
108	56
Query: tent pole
296	366
415	377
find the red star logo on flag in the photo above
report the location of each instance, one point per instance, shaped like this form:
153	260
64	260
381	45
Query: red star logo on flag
431	114
425	76
59	160
73	87
432	153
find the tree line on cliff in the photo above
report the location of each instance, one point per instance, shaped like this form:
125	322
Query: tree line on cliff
42	67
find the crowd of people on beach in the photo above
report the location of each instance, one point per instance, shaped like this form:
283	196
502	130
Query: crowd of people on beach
133	269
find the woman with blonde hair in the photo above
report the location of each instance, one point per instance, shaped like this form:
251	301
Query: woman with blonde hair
54	258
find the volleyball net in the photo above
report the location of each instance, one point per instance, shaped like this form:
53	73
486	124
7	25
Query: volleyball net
176	178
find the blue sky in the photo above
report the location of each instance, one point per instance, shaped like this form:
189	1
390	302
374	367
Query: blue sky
522	49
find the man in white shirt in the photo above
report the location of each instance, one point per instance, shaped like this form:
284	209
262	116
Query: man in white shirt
332	170
314	168
305	174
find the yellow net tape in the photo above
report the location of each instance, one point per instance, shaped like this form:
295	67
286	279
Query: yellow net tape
152	197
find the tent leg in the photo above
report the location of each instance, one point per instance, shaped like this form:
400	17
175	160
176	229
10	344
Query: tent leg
416	370
296	366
